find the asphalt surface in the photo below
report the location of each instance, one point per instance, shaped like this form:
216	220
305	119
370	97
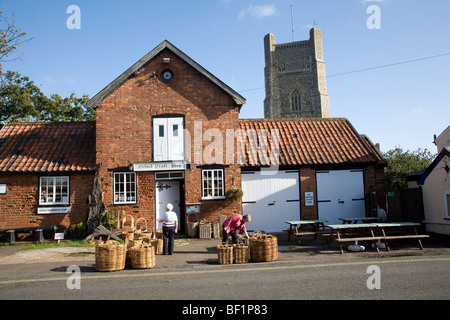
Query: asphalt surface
309	271
190	252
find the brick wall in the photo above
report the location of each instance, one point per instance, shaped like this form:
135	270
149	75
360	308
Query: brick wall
308	184
19	206
373	181
124	130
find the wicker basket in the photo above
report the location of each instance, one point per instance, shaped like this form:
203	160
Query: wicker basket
127	236
142	235
159	234
110	256
142	257
134	243
192	227
138	227
241	253
225	253
263	248
157	244
130	244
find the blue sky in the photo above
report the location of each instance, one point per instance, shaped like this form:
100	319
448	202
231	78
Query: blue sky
401	105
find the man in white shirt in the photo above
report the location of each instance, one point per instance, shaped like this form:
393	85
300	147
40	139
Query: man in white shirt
170	227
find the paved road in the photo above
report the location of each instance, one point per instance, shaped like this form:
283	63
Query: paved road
421	277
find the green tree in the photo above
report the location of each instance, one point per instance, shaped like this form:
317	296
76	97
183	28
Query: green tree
402	163
22	100
18	98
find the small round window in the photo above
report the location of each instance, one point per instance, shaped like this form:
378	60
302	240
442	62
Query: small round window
167	75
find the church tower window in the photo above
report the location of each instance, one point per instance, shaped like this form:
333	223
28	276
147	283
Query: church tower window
296	105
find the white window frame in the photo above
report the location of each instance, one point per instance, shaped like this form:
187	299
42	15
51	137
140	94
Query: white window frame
216	190
132	198
46	189
447	204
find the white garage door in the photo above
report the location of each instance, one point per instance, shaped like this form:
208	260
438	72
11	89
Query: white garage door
340	194
271	200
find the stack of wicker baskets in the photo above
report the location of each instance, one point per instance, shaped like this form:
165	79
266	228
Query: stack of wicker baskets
225	253
263	248
142	257
110	256
241	253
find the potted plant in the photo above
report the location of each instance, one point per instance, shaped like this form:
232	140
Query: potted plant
233	194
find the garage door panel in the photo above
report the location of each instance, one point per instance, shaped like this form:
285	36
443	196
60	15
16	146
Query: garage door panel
340	194
271	218
270	199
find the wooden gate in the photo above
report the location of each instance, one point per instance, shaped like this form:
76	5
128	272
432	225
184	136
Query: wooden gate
406	205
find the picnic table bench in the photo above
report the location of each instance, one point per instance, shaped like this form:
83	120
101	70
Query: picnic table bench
362	219
340	230
298	228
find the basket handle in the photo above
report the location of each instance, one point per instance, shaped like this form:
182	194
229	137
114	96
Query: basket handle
256	235
125	219
145	220
190	214
224	244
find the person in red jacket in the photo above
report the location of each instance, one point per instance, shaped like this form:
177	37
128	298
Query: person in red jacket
233	225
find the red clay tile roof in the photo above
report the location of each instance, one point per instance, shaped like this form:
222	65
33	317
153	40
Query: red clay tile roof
304	142
47	147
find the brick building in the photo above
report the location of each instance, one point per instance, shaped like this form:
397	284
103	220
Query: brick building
167	130
46	173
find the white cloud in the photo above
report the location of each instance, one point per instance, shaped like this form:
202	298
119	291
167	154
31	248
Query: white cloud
258	11
51	79
417	111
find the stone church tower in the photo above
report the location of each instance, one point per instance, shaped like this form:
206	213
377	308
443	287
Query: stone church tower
295	78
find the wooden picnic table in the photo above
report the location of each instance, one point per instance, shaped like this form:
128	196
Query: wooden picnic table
376	232
340	230
362	219
300	228
405	228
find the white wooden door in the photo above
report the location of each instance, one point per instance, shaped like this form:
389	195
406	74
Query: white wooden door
175	132
167	191
340	194
160	145
271	200
168	139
